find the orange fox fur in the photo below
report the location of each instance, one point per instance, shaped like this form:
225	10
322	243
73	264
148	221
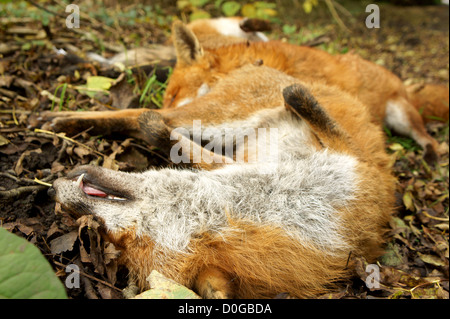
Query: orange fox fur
382	91
257	260
430	100
248	259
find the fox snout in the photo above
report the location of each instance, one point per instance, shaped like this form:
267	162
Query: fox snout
97	183
94	190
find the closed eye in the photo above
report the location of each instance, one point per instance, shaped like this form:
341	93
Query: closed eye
173	98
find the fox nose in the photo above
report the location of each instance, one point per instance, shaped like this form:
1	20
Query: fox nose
51	192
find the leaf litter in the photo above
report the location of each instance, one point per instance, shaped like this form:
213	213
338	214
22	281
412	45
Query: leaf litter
35	78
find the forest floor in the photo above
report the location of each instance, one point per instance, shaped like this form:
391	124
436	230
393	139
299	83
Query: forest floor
412	42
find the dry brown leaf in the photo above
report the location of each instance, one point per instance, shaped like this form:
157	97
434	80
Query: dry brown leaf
431	259
57	167
81	151
63	243
19	168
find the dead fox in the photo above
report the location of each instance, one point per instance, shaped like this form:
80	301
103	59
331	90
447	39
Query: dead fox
230	228
198	69
212	33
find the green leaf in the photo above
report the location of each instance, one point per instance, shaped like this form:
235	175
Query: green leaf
99	82
182	4
265	10
26	46
396	147
289	29
249	10
265	5
198	3
392	256
218	3
269	12
24	272
307	7
230	8
96	84
199	14
309	4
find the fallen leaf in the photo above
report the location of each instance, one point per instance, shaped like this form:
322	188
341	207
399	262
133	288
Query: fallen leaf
425	293
54	229
96	84
81	151
430	259
19	168
57	167
162	287
135	158
392	256
408	201
63	243
123	94
3	140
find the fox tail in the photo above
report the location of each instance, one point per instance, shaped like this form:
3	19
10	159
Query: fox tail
431	100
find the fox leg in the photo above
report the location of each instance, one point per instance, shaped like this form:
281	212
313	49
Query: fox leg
171	141
404	119
103	122
299	101
144	124
213	283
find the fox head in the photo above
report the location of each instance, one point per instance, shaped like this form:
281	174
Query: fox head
197	69
189	78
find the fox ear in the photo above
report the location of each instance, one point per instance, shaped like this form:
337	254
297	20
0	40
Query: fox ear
187	47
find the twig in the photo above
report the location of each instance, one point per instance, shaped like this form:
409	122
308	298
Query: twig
321	39
50	96
63	136
336	15
12	129
343	9
85	131
16	111
45	9
89	276
28	180
62	150
151	152
12	94
7	20
16	179
89	36
411	291
41	182
19	191
14	114
433	217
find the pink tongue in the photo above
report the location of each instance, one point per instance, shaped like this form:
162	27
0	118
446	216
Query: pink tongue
93	192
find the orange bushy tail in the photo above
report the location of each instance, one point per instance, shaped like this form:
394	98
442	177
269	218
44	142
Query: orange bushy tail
431	100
